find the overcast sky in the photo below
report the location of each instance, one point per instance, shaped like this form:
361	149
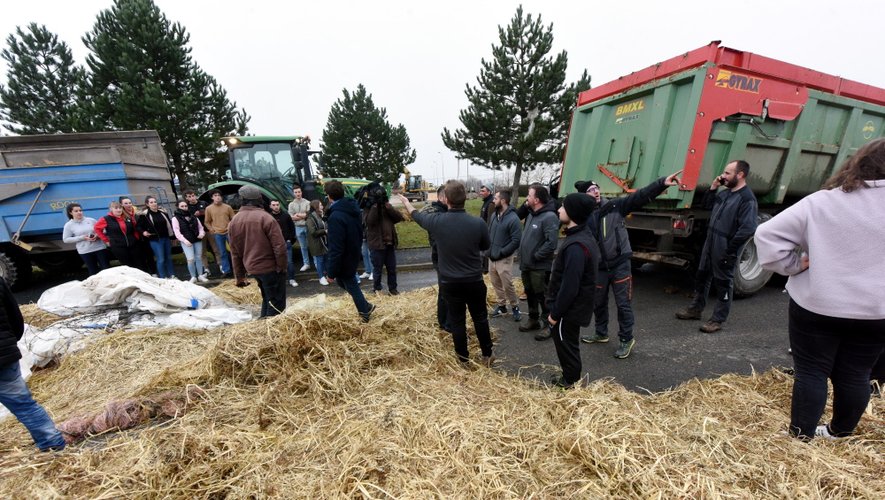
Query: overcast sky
286	63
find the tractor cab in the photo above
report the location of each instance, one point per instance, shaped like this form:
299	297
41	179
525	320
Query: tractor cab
272	164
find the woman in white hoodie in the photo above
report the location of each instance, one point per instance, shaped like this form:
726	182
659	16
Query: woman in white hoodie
831	245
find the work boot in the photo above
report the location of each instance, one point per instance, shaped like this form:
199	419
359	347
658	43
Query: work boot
531	325
498	311
624	349
688	313
711	326
594	339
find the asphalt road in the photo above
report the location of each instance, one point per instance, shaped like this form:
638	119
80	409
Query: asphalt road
667	352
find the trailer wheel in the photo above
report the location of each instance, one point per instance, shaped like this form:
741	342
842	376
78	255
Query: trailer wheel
749	276
15	268
60	262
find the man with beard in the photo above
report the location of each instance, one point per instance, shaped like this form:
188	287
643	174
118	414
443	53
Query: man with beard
539	240
732	222
609	230
505	234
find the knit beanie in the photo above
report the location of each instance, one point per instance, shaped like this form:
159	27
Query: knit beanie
578	207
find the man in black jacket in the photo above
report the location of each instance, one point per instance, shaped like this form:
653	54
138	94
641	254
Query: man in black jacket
14	393
460	239
570	292
608	228
733	221
345	239
287	226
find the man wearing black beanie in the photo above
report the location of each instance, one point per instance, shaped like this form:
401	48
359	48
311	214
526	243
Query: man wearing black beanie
572	285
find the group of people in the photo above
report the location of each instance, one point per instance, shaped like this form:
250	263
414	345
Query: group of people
828	243
143	238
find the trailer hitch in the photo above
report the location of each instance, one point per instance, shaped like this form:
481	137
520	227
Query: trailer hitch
16	237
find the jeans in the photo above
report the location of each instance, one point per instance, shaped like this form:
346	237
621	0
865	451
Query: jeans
221	243
16	397
620	280
367	258
319	261
534	281
290	264
191	253
273	293
565	335
721	281
385	257
461	297
162	249
349	284
301	234
843	350
96	261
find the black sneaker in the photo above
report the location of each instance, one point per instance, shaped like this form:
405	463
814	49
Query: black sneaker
368	315
498	311
531	325
559	383
516	314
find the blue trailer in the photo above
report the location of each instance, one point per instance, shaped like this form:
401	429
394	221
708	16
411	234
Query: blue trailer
41	174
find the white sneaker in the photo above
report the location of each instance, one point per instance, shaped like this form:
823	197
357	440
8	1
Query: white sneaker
293	283
365	275
202	278
822	432
193	280
305	267
369	277
324	281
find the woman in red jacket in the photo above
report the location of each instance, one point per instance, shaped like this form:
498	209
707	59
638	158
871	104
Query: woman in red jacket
118	232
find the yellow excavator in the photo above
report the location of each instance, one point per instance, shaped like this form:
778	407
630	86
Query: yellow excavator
414	187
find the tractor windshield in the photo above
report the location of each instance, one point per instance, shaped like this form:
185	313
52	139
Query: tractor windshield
270	163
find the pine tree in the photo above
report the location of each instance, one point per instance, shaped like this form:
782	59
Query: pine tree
41	93
519	112
358	141
142	76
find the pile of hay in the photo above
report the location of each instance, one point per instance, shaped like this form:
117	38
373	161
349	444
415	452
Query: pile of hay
317	404
38	318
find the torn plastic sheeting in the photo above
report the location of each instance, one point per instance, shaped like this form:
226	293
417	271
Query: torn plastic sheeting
124	285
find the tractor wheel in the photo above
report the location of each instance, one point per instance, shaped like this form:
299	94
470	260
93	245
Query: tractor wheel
59	263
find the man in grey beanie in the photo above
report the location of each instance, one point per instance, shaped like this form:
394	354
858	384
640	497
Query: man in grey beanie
258	248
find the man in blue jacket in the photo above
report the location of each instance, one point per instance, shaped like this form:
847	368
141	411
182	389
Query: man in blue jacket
733	221
505	234
345	239
608	228
14	393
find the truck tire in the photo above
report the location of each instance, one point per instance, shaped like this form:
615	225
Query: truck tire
15	268
749	276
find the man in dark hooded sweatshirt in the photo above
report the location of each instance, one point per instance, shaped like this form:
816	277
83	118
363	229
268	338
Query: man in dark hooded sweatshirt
572	282
608	228
539	239
345	240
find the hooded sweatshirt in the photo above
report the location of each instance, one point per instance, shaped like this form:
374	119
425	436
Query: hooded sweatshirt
345	238
539	239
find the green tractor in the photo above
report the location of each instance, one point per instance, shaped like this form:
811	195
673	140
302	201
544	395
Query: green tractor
273	164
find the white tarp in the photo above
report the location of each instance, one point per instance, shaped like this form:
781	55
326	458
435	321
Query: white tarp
99	301
123	285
